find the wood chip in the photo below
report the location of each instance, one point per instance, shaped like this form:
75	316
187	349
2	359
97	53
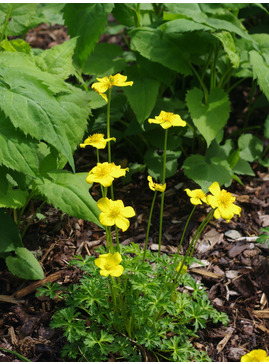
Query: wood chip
9	299
263	328
221	345
33	286
262	313
205	273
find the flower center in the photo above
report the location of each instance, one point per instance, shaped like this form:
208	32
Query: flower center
103	171
115	212
225	199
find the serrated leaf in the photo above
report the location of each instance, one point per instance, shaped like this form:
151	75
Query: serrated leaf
250	147
229	47
143	94
260	71
85	19
42	105
18	151
21	17
70	193
105	60
58	59
157	47
204	173
24	265
10	238
125	14
212	117
182	26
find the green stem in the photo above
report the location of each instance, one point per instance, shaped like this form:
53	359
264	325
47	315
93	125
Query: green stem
97	155
148	227
108	124
201	83
3	34
117	238
162	197
184	231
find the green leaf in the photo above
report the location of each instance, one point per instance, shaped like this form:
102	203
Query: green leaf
243	167
266	128
16	45
70	193
83	20
58	59
11	197
260	71
204	172
42	105
17	151
10	238
24	265
250	147
229	47
154	162
21	18
105	60
124	13
182	26
143	94
212	117
158	47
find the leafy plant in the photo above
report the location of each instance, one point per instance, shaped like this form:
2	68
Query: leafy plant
264	236
43	118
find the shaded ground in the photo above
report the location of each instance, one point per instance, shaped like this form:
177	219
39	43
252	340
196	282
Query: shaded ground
235	271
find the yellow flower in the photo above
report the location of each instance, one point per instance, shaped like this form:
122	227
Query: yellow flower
167	119
183	270
114	213
110	264
104	173
96	140
255	356
156	186
197	196
223	203
106	83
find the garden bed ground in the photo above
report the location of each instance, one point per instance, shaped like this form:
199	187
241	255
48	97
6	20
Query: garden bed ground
235	271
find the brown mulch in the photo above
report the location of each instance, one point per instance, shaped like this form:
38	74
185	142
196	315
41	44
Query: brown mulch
235	271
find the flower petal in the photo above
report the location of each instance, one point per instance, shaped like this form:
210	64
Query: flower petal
117	271
214	188
122	223
104	204
106	220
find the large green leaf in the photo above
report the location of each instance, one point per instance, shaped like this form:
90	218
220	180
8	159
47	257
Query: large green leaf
143	94
250	147
41	104
105	60
205	172
70	193
212	117
86	21
58	59
17	151
21	17
154	45
260	71
24	265
182	26
10	238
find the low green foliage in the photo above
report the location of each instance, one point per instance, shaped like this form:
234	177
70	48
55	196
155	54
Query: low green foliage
96	331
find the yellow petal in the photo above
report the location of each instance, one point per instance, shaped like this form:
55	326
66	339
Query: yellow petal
128	211
122	223
106	219
117	271
214	188
104	204
116	258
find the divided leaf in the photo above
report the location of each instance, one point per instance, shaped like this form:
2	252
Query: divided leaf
260	71
212	117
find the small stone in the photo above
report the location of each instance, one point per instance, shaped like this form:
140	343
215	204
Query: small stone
250	253
235	354
233	234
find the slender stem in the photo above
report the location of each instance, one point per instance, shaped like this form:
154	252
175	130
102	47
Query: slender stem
3	34
162	197
117	238
108	124
148	227
201	83
184	231
109	240
97	155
